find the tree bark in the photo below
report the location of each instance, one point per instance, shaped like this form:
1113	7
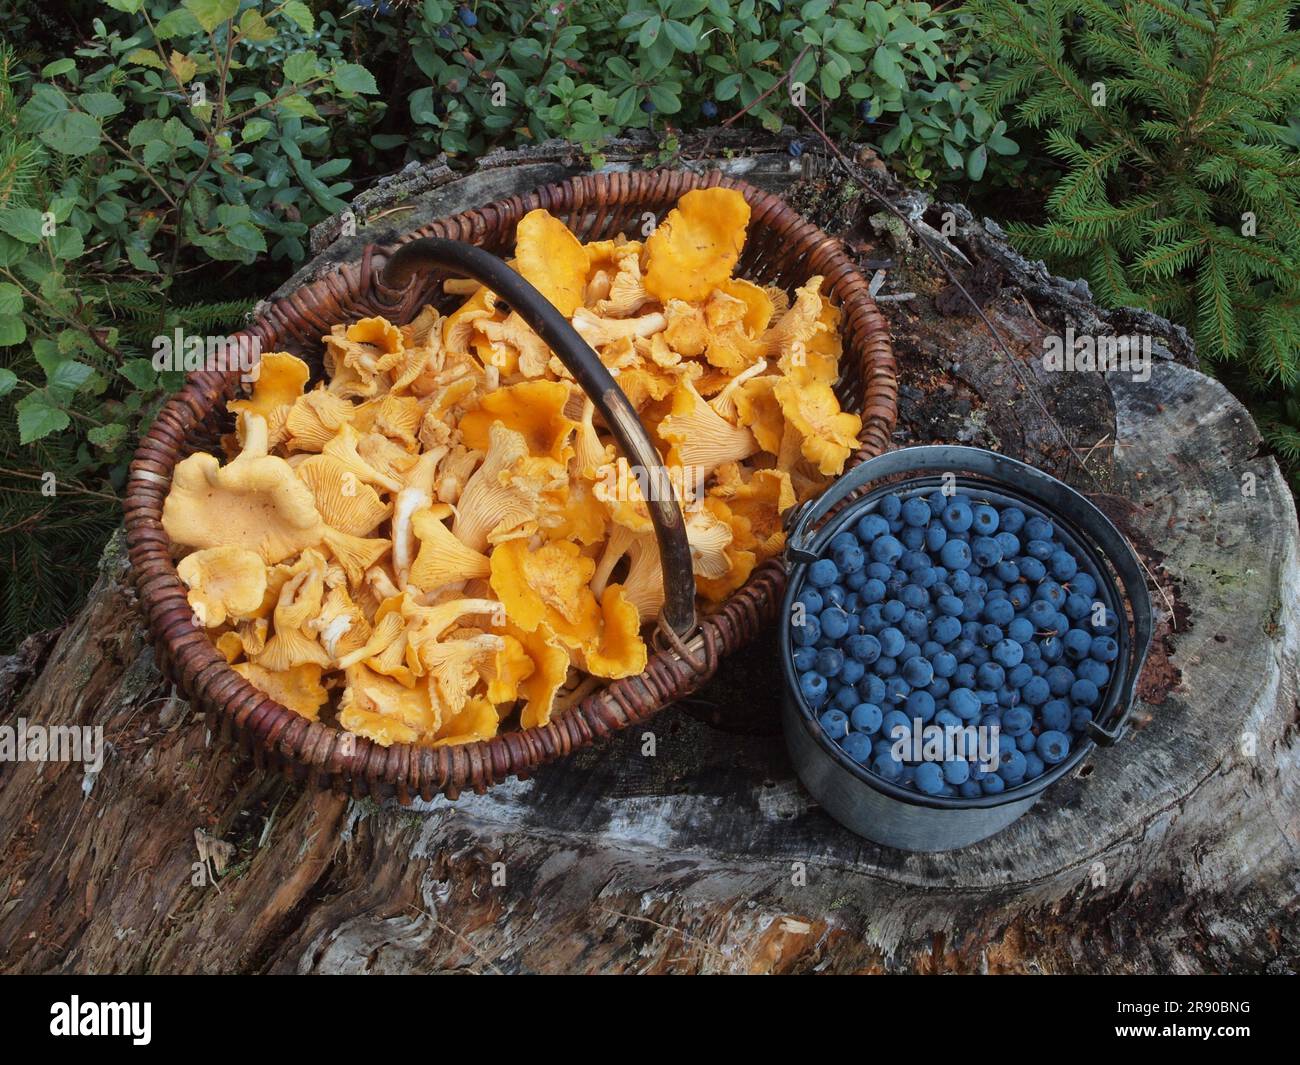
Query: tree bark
689	846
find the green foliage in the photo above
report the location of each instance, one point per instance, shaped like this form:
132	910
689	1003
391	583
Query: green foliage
899	75
1181	186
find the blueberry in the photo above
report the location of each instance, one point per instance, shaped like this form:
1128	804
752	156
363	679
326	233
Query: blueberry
1008	653
965	675
834	595
972	605
1041	614
891	642
916	512
992	784
1011	767
1036	692
935	536
648	107
1076	643
970	789
1037	528
1019	676
867	111
984	519
805	658
1012	519
1008	572
920	705
1017	720
1084	584
895	720
807	634
1080	718
964	703
1104	649
795	148
957	517
1052	593
845	698
956	771
1059	679
990	676
986	551
872	689
1063	566
886	549
1052	746
999	612
857	746
830	660
1084	693
1056	715
1033	765
890	507
913	597
944	663
886	666
873	591
709	109
867	718
885	765
1039	549
822	573
835	724
813	687
871	527
863	647
918	672
1031	569
1021	630
1077	607
811	600
852	672
849	558
1008	696
466	16
1091	669
834	622
939	687
929	778
914	625
1009	543
945	630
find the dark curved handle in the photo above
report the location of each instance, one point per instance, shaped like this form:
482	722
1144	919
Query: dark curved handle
594	379
803	542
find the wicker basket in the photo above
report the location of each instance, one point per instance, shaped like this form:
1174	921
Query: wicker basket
780	248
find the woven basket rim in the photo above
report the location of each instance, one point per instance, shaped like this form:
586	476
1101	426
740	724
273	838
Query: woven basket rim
327	754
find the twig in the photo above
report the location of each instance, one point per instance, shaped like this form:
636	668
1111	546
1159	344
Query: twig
685	937
460	939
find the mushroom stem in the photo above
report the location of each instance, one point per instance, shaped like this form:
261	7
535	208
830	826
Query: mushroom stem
256	435
417	495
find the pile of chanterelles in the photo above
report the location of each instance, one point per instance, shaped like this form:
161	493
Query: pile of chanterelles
441	533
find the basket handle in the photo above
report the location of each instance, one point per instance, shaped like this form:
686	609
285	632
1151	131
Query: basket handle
595	380
802	545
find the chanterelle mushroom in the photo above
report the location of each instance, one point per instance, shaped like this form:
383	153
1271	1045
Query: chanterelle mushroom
224	582
254	501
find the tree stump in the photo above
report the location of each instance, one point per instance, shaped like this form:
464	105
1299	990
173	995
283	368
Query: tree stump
688	845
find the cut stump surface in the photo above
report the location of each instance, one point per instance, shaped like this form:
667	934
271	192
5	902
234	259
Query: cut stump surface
688	845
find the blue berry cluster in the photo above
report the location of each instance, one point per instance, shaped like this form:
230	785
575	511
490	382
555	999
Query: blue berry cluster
952	612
